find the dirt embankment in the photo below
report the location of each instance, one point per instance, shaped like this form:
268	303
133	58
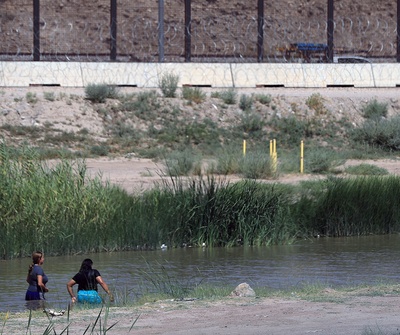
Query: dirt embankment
30	121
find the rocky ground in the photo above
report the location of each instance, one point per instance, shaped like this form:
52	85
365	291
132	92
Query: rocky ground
27	115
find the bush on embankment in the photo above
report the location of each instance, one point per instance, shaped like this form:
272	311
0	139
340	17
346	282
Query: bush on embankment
60	210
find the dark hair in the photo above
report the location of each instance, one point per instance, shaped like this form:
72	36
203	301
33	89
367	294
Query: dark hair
36	257
86	265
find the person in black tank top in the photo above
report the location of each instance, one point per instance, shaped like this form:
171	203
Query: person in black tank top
87	279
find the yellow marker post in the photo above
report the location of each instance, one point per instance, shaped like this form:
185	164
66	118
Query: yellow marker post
244	147
274	155
301	157
270	149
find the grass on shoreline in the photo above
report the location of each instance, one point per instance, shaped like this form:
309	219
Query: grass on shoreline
101	319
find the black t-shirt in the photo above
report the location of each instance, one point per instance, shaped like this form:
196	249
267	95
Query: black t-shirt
87	280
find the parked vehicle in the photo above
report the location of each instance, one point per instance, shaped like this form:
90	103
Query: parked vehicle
350	59
317	53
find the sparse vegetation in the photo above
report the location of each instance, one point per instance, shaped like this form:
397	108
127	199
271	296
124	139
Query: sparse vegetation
379	133
98	93
264	99
146	122
229	96
366	170
50	96
316	102
257	165
193	94
179	163
375	110
31	98
322	160
169	84
245	102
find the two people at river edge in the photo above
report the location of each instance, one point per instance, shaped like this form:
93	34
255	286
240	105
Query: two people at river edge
87	279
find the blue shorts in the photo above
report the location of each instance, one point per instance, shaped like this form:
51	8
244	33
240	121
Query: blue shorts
91	297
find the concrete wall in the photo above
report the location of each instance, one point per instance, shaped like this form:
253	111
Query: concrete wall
222	75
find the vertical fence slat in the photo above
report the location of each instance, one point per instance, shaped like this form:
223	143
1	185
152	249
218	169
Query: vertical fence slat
330	31
113	30
260	28
36	30
398	32
161	31
188	36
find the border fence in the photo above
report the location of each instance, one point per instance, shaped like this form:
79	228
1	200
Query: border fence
235	31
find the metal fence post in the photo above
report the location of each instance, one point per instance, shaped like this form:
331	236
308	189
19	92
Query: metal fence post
260	35
113	30
188	37
161	31
398	32
330	31
36	30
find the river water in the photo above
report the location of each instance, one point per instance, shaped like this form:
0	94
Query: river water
329	261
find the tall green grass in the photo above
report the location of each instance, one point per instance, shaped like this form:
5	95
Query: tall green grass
358	206
60	209
54	208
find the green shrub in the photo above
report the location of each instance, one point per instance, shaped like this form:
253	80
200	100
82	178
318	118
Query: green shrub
98	93
316	102
99	150
382	133
193	94
169	84
321	160
289	161
290	130
366	170
229	96
179	163
31	98
375	110
50	96
228	161
264	99
245	102
144	105
251	122
123	129
216	95
256	165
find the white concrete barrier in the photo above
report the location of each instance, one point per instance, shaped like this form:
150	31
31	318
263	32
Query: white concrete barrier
219	75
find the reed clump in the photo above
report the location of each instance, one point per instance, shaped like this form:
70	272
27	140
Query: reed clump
59	208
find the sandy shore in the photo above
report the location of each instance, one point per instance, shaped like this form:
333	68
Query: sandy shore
335	315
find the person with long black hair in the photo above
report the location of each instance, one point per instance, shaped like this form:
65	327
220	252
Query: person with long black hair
87	279
36	278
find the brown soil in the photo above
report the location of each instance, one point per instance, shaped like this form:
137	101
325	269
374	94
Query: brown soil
70	113
336	314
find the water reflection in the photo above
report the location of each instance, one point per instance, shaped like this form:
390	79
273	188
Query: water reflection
334	261
35	305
